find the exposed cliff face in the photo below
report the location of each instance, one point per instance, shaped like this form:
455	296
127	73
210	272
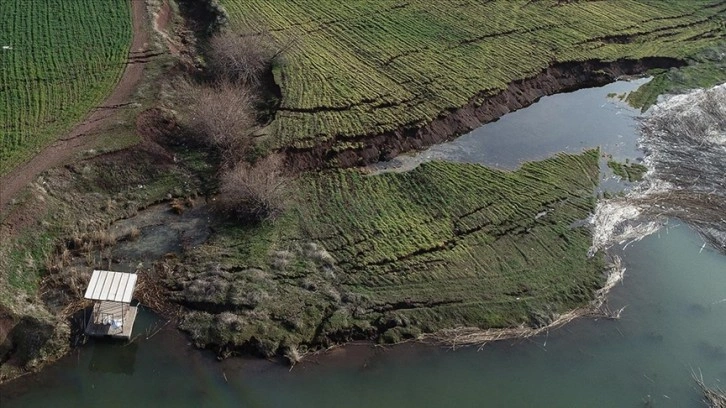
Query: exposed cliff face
482	108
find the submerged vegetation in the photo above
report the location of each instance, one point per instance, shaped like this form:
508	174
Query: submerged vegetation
628	171
371	68
704	70
684	138
392	256
58	59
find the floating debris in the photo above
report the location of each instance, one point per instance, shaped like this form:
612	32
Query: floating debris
684	138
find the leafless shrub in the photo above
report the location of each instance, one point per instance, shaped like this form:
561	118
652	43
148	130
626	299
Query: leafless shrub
295	354
241	57
222	115
254	191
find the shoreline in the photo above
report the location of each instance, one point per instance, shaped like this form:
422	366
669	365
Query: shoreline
479	337
567	358
482	108
559	320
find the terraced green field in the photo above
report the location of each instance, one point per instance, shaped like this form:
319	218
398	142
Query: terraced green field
58	59
394	255
709	70
372	66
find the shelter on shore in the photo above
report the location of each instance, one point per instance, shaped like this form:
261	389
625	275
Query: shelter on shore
112	313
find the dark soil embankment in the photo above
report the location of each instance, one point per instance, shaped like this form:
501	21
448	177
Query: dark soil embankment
482	108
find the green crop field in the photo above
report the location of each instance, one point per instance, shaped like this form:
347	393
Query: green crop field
371	66
58	58
398	254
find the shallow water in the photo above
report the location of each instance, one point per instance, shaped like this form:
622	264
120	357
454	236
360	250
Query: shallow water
569	122
675	322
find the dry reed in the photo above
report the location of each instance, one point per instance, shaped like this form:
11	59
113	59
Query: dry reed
712	397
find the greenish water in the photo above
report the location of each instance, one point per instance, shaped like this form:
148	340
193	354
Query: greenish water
675	322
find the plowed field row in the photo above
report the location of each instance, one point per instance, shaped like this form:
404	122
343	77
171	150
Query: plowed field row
368	67
398	254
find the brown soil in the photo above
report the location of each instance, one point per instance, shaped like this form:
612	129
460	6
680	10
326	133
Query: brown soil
84	135
161	22
482	108
7	322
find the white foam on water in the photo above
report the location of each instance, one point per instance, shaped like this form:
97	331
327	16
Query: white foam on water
685	142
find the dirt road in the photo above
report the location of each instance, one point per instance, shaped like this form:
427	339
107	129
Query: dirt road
84	134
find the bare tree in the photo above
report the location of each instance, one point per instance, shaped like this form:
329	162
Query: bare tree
241	58
223	116
255	191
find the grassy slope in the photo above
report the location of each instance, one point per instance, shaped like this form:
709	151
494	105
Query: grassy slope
65	57
366	67
708	68
78	200
444	245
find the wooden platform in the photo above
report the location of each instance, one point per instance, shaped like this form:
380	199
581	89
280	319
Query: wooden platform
106	311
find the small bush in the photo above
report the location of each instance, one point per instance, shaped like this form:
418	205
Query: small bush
134	234
222	115
177	206
240	57
254	192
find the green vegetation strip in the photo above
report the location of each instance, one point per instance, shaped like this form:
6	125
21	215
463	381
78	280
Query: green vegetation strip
58	59
628	171
368	67
394	255
705	70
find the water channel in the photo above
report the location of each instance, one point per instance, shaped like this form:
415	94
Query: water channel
674	323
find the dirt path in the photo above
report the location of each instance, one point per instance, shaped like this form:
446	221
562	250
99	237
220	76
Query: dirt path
84	134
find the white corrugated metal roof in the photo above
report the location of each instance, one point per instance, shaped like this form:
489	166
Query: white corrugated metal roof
108	285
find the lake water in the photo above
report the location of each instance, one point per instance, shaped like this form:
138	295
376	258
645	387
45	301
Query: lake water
674	323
